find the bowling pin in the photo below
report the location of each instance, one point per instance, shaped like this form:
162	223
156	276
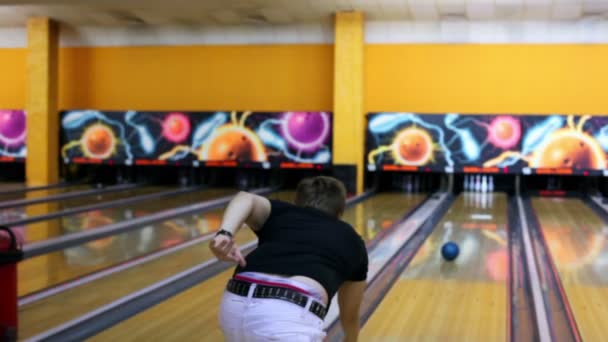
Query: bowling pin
477	183
466	183
491	184
484	184
408	184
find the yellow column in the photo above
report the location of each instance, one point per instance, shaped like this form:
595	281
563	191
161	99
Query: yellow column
349	130
42	163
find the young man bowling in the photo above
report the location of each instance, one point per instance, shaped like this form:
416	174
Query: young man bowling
306	254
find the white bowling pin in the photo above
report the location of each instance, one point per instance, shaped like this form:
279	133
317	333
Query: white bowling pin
477	183
491	184
484	184
408	184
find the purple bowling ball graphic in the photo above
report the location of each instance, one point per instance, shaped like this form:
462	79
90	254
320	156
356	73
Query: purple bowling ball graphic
306	131
12	128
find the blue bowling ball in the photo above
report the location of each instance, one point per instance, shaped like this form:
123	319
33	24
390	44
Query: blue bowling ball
450	251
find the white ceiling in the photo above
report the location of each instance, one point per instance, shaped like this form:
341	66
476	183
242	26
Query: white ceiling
245	12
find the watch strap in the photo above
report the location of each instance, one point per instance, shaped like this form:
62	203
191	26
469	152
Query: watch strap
224	232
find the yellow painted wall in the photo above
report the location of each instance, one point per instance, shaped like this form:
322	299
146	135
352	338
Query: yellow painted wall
270	77
487	78
13	75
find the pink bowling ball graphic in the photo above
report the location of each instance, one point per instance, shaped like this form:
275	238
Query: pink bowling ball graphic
12	128
306	131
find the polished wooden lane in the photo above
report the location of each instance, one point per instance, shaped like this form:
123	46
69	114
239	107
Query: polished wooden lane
10	186
95	255
466	300
38	208
43	193
578	243
192	315
68	264
100	217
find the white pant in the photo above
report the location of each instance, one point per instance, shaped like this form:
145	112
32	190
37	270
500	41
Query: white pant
256	319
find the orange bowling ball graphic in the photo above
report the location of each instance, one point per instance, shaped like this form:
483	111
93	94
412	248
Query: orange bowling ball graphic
97	220
504	130
234	143
98	141
569	148
413	146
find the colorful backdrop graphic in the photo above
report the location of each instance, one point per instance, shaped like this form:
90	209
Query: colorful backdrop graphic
562	142
95	135
12	135
132	137
298	137
158	136
124	137
434	142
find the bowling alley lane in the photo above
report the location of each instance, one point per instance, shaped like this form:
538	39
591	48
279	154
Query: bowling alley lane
465	300
12	214
55	268
577	239
73	262
10	186
33	194
200	304
92	219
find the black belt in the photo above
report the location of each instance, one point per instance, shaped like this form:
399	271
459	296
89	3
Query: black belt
241	288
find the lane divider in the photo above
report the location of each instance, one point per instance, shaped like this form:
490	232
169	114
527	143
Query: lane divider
542	321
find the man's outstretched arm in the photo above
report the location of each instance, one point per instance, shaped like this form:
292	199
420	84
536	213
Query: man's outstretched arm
244	208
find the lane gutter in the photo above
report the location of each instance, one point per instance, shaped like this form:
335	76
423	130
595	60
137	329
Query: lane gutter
553	313
522	325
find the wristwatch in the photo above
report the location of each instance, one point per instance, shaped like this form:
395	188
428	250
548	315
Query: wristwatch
223	232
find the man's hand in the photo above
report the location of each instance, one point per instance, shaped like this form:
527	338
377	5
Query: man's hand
224	248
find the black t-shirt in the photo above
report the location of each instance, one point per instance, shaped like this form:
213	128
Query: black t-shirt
302	241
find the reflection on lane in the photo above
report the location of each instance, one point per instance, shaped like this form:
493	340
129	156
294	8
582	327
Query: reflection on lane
577	240
95	218
92	256
477	223
379	213
465	300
